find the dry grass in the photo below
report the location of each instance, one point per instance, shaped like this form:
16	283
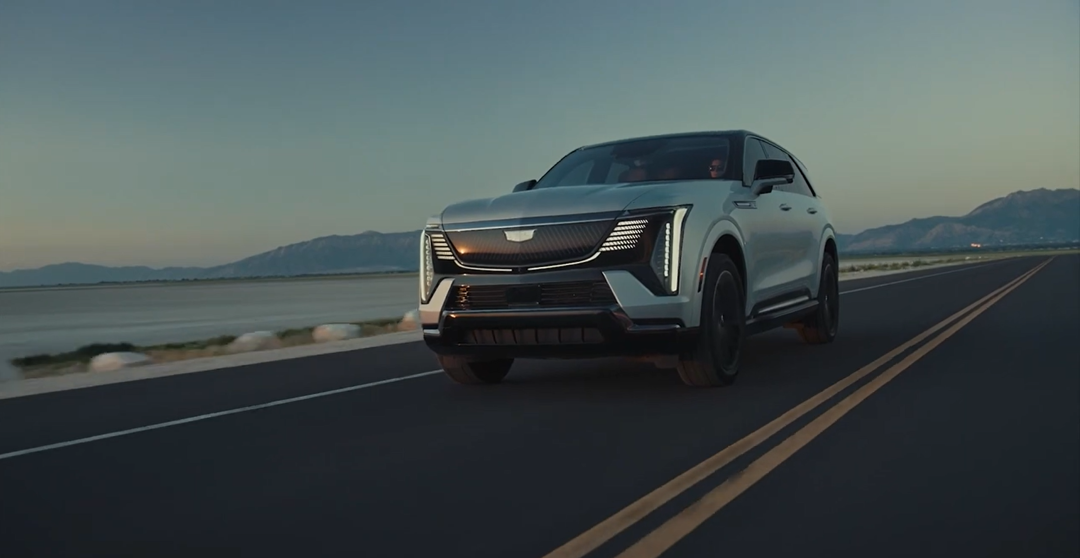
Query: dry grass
910	264
60	369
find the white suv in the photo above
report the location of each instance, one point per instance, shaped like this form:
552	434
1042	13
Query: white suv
672	247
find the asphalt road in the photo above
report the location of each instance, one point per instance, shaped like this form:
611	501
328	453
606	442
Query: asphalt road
967	443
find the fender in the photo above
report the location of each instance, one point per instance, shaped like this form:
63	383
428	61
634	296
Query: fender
827	234
720	226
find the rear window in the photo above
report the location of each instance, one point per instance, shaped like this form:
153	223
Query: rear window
649	160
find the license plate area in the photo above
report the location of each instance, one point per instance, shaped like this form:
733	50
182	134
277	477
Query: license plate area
519	296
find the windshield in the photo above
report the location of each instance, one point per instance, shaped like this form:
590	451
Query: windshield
647	160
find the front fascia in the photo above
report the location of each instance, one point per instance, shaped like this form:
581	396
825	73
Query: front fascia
632	298
637	289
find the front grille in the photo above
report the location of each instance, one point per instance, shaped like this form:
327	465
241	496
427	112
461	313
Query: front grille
547	244
544	295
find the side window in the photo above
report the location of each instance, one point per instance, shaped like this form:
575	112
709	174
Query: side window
772	152
805	176
798	186
751	155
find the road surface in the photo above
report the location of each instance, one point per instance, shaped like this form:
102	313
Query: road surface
963	443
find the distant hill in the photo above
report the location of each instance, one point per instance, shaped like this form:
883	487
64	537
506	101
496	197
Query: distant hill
367	252
1027	217
1030	217
80	273
359	253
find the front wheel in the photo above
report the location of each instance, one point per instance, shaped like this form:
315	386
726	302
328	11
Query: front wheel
821	326
715	358
469	371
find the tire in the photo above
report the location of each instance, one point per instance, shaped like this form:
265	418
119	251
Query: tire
822	325
468	371
715	358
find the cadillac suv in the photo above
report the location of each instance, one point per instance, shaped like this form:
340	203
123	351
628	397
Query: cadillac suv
672	248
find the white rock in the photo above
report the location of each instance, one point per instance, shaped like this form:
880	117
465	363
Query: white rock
335	332
410	322
255	341
115	361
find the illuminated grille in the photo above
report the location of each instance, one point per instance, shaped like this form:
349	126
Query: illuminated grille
625	236
548	244
547	295
441	247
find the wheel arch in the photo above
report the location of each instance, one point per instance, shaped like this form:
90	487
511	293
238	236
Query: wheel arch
724	237
828	246
729	245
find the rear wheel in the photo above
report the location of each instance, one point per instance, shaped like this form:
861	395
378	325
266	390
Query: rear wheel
470	371
715	358
822	325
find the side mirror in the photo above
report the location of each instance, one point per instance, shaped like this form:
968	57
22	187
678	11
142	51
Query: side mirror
527	185
771	173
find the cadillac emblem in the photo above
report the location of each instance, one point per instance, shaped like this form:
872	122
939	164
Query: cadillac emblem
519	235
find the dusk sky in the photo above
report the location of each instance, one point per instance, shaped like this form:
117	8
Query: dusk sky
199	132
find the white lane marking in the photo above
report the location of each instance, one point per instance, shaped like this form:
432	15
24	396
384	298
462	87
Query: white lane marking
213	415
964	268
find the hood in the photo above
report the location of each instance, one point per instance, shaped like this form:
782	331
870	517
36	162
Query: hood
548	202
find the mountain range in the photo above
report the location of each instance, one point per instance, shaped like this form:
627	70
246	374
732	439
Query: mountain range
1034	217
367	252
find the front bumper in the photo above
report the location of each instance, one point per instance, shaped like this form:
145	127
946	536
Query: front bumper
632	322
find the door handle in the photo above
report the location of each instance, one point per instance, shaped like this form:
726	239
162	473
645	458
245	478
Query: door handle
811	210
785	206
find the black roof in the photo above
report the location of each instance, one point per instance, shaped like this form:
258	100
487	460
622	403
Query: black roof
737	134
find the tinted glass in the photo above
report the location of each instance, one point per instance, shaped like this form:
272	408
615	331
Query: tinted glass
677	158
805	175
754	153
772	152
798	186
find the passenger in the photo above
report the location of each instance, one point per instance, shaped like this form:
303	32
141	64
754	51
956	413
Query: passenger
671	172
636	173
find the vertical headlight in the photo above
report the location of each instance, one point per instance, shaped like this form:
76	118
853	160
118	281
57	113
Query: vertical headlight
427	268
667	251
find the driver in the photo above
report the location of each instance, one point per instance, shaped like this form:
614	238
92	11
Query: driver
717	166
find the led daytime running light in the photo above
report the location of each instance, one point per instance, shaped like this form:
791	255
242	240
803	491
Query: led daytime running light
427	275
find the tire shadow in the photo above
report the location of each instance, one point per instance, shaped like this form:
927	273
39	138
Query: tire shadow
777	358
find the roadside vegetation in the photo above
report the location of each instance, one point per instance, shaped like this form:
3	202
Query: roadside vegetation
904	264
901	262
78	360
988	250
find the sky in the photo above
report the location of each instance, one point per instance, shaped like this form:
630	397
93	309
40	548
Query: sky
197	132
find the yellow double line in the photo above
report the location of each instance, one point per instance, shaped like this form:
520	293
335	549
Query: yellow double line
674	529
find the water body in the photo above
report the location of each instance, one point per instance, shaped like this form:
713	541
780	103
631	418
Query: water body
50	320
